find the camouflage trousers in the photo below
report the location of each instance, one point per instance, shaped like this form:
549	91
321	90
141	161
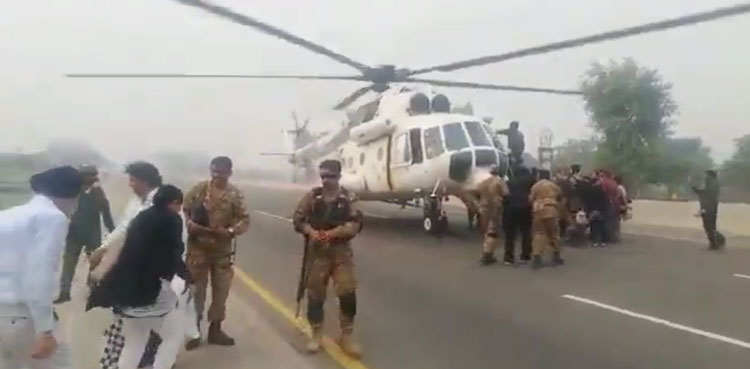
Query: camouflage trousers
332	263
545	235
214	261
492	226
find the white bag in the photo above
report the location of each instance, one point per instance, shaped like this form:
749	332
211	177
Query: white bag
581	217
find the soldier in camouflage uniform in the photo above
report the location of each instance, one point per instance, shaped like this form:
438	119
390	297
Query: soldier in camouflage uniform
216	214
544	198
329	217
491	193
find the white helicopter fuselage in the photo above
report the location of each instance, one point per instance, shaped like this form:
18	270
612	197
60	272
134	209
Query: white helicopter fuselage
399	156
423	154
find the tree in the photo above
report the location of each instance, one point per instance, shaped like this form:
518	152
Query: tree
581	152
630	108
677	160
736	170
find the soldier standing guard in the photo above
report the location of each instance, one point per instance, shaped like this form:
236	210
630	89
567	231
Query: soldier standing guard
544	198
216	214
329	217
491	193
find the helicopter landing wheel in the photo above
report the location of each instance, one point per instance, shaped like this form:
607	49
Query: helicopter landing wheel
434	220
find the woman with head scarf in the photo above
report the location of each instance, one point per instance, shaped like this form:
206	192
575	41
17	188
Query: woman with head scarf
32	240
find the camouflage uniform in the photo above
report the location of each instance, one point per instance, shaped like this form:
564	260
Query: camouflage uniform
341	219
209	253
472	208
565	214
544	198
491	193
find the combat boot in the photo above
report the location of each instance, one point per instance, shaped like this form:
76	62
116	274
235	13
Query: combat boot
346	341
537	262
487	259
556	259
217	337
316	340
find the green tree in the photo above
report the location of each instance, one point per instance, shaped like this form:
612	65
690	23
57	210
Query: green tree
677	160
581	152
736	170
630	108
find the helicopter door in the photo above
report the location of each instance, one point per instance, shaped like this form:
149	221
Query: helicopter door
400	160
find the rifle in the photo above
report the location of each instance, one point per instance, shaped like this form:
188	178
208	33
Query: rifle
302	275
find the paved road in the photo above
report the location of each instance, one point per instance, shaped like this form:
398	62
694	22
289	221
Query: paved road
424	302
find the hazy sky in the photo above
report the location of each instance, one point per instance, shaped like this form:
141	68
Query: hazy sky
708	65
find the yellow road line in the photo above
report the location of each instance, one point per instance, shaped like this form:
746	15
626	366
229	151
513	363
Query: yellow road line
329	345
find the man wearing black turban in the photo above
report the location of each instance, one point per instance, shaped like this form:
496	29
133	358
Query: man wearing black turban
32	240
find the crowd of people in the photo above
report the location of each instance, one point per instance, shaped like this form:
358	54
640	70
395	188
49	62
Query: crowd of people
142	270
543	210
153	268
586	209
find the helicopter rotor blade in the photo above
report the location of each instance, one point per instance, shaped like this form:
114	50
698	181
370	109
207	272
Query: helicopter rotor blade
211	76
271	30
606	36
354	96
489	86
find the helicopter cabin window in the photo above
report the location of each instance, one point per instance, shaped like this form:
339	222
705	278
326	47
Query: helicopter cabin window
455	138
477	134
362	159
401	151
416	145
433	142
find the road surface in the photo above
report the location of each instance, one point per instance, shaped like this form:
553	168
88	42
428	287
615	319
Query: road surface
425	303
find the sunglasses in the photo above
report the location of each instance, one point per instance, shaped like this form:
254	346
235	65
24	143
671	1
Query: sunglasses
329	176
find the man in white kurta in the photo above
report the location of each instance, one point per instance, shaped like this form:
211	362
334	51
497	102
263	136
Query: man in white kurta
32	241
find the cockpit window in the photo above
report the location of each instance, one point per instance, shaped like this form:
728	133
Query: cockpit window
433	142
455	138
477	134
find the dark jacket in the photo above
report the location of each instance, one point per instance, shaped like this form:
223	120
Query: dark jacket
593	196
519	187
85	224
152	251
709	196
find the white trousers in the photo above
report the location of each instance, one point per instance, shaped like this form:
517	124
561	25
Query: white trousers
171	329
17	338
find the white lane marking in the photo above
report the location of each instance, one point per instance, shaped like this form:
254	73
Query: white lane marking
661	321
372	215
742	276
274	216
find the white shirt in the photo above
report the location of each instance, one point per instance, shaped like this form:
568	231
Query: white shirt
32	241
135	206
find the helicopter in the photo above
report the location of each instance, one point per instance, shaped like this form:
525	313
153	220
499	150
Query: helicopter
406	146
